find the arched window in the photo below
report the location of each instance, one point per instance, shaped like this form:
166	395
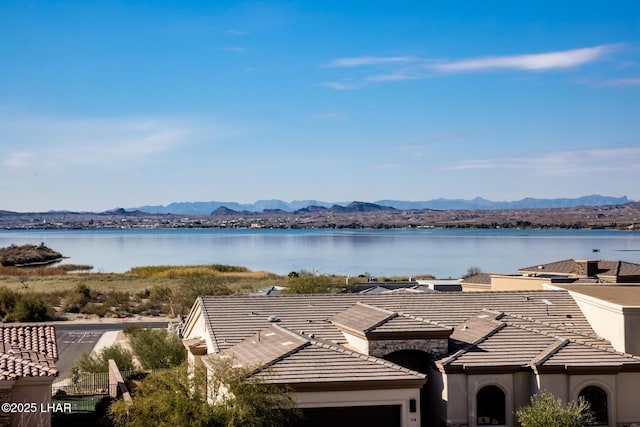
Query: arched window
597	398
490	406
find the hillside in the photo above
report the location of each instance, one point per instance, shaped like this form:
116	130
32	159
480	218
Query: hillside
204	208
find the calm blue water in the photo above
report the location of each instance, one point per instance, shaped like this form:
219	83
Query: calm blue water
443	253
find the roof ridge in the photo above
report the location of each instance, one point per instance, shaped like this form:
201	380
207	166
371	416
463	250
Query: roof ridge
206	318
475	343
549	351
284	355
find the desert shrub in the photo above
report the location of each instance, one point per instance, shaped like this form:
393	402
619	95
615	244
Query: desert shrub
30	307
548	411
311	283
174	397
76	299
194	285
99	362
8	300
156	348
95	308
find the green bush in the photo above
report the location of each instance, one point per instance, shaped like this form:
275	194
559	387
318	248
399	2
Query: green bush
99	362
8	299
156	348
547	411
30	308
175	397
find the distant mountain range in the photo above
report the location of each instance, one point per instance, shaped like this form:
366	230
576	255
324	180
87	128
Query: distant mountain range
206	208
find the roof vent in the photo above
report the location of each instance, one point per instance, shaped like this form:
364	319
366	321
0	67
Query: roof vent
273	318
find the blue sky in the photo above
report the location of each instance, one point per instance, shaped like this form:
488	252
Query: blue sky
122	104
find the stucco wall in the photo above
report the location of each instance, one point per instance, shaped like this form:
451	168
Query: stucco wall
454	394
32	390
555	384
627	398
607	320
510	283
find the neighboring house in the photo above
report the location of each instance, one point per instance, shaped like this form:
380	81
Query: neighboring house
581	269
355	357
28	355
558	272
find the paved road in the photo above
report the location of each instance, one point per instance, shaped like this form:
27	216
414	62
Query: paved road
75	339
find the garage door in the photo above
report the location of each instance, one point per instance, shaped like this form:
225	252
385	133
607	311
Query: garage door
350	416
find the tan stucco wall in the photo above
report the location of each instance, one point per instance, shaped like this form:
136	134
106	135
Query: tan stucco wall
511	283
32	390
197	328
455	386
608	321
555	384
365	398
627	398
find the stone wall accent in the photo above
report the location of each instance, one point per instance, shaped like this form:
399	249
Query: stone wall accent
434	347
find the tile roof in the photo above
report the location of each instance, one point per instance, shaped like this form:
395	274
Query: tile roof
366	320
522	344
299	360
231	319
491	330
572	267
362	317
479	278
27	351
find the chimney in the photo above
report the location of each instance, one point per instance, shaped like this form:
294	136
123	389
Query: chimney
587	267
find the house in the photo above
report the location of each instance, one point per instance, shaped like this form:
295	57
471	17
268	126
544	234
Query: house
558	272
28	355
419	359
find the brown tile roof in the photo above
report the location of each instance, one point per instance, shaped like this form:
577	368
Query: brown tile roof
520	344
298	360
571	267
231	319
479	278
27	351
368	321
39	338
362	317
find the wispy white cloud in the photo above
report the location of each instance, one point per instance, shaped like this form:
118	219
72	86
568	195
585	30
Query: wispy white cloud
104	143
528	62
396	76
340	85
359	61
17	159
623	82
402	68
567	162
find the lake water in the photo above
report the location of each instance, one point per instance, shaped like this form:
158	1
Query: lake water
441	252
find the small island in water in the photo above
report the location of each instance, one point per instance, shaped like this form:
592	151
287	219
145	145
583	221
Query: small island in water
28	255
